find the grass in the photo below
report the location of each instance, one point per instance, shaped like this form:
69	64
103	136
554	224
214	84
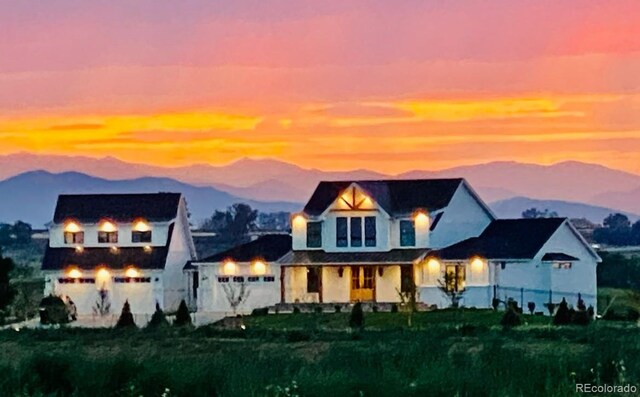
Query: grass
447	353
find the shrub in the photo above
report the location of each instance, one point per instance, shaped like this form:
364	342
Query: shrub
563	314
296	310
495	303
338	308
356	319
261	311
53	310
532	307
158	318
183	317
126	318
394	308
317	309
511	318
374	309
581	317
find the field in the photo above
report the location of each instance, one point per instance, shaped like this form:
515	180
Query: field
444	353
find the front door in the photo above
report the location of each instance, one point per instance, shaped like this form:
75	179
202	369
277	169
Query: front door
363	283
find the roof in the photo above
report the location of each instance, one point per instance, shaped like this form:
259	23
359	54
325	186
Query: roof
91	208
397	256
92	257
558	256
270	247
505	238
394	196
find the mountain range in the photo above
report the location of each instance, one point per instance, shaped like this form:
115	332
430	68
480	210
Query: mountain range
277	185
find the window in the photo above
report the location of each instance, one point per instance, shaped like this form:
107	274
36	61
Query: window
69	280
356	232
370	231
406	279
74	237
238	279
455	278
314	234
407	234
132	279
107	237
223	279
195	283
253	279
141	237
268	279
341	232
562	265
313	279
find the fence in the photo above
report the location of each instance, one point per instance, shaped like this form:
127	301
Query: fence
541	297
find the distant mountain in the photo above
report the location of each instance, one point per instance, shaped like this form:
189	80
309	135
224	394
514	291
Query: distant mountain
31	196
513	208
628	200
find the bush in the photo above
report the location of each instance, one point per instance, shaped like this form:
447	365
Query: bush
338	308
532	307
511	318
394	308
183	317
126	318
53	310
374	308
158	318
296	310
356	319
563	314
261	311
317	309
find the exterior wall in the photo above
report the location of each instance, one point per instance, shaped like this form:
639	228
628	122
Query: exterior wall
159	234
335	288
388	284
463	218
295	279
212	296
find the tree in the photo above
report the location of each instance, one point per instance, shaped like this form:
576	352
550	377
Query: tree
409	299
236	294
563	314
635	233
615	230
22	232
511	317
158	319
533	212
6	232
183	317
234	224
218	222
126	317
356	318
6	290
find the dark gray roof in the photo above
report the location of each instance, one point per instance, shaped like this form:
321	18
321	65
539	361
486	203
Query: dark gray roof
92	257
91	208
397	256
395	196
505	239
558	256
270	247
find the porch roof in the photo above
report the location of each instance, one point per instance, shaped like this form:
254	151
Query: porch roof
313	257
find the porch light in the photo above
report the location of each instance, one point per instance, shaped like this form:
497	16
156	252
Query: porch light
299	220
380	271
340	271
147	248
103	274
79	248
107	226
72	227
131	272
141	226
114	249
421	219
477	264
433	264
259	267
74	272
229	267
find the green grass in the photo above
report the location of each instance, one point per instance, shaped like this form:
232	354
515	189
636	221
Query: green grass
446	353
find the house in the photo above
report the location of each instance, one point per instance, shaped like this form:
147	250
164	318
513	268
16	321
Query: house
375	240
107	248
248	275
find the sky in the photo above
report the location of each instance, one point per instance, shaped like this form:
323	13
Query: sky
389	86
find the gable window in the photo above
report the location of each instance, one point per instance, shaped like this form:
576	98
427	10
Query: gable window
356	232
313	279
407	234
341	232
108	237
74	237
314	234
141	237
370	231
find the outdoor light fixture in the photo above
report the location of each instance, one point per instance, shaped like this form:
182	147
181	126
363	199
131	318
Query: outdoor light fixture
477	264
299	220
147	248
72	227
141	226
380	271
74	272
132	272
103	273
433	264
421	219
79	248
259	267
229	267
107	226
340	271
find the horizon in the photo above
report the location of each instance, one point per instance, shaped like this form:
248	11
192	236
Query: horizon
327	85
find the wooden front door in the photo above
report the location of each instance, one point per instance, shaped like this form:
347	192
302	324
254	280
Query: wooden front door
363	283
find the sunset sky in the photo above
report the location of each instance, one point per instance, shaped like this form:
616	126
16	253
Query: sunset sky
384	85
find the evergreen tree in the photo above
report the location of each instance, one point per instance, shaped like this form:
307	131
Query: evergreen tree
6	290
356	319
158	318
511	318
183	317
126	318
563	314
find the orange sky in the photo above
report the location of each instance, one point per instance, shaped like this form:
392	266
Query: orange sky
388	86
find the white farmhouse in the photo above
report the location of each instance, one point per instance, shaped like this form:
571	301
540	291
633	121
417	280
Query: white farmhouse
124	246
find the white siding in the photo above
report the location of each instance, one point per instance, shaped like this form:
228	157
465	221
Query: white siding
159	234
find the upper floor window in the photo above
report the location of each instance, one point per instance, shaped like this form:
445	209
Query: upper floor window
314	234
356	232
107	233
341	232
73	234
141	237
407	234
370	231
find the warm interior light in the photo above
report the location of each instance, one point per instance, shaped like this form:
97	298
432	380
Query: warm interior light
229	267
74	272
132	272
103	274
141	226
107	226
477	264
434	265
72	227
421	219
259	267
299	220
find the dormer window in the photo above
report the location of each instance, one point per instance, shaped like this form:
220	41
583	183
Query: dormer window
73	234
107	233
141	232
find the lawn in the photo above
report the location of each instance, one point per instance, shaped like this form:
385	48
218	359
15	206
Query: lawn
445	353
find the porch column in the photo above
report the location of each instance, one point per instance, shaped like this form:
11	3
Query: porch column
282	286
320	284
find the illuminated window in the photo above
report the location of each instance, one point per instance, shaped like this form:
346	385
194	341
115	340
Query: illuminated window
74	237
107	237
314	234
141	237
562	265
455	278
407	234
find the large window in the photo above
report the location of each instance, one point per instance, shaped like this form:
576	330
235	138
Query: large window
108	237
141	237
73	237
370	231
407	234
341	232
406	279
455	277
313	279
314	234
356	232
